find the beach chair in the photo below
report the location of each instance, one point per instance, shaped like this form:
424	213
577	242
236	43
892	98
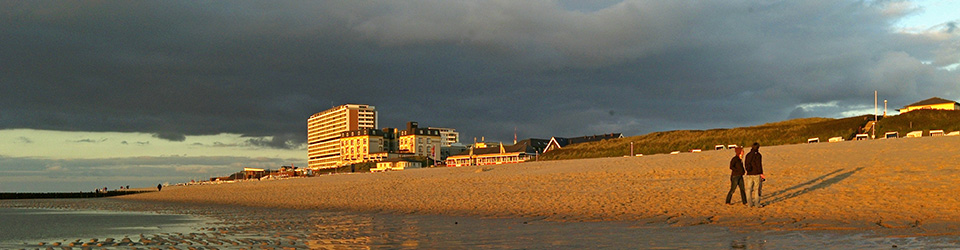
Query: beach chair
891	135
914	134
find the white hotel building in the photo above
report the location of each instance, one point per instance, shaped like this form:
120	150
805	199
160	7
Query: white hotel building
448	136
324	128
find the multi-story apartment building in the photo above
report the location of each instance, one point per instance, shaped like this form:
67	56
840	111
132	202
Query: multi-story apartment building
419	141
448	136
367	144
324	130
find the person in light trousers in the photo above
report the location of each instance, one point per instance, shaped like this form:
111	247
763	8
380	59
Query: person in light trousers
753	164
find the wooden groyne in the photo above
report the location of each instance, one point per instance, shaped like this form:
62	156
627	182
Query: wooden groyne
12	196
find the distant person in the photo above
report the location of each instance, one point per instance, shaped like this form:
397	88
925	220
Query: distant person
159	186
736	176
753	164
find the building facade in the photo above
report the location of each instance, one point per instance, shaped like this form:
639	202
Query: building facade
325	128
373	145
419	141
935	103
524	150
448	136
367	144
395	165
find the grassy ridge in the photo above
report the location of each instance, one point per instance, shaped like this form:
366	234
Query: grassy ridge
780	133
926	120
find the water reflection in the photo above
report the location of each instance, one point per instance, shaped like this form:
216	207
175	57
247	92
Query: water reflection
262	228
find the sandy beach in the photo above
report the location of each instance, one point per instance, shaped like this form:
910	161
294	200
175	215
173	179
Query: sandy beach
899	186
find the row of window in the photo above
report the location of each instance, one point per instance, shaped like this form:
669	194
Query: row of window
411	141
488	160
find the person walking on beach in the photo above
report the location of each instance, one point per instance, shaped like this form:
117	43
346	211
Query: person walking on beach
753	164
736	176
159	186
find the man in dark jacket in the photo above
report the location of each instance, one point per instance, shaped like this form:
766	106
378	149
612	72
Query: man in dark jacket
736	176
753	164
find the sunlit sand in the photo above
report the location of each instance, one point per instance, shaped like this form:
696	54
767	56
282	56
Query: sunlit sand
903	185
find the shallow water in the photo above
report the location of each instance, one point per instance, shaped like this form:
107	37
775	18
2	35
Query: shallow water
19	225
258	228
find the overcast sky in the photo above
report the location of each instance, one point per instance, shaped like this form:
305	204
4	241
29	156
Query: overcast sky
222	84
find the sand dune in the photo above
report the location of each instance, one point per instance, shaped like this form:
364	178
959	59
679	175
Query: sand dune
906	185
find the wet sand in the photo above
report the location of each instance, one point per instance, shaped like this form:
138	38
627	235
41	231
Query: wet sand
901	186
237	227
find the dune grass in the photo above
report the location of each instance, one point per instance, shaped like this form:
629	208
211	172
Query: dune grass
779	133
925	120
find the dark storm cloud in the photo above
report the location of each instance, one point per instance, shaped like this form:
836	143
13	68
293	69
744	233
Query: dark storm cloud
170	136
88	140
277	141
181	68
24	140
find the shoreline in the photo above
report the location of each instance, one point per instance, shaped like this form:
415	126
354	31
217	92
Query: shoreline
239	227
900	186
67	195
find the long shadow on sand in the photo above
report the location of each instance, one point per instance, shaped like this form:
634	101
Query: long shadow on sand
809	186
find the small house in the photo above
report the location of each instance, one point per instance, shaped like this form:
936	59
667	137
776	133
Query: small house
814	140
935	103
862	137
396	165
254	173
835	139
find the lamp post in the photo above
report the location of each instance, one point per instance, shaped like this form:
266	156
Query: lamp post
874	129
